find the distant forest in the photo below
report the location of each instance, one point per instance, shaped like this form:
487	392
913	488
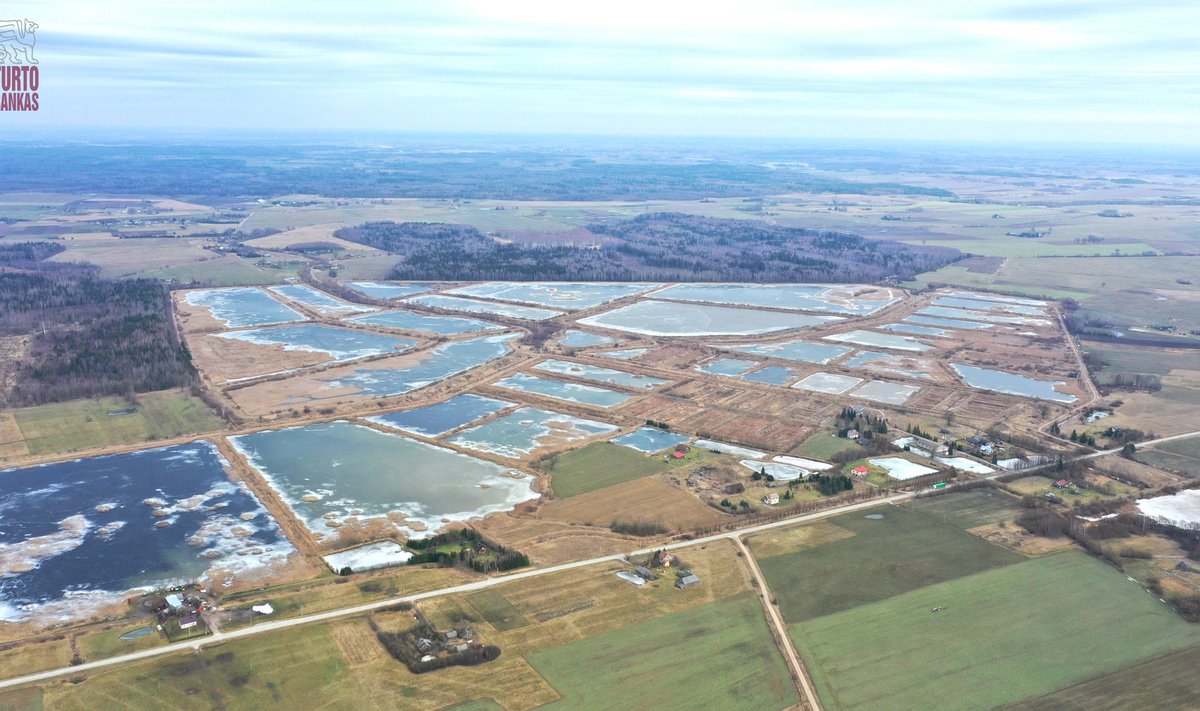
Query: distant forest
214	171
652	247
90	336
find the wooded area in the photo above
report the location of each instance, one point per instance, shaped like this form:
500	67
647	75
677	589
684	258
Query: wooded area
89	336
652	247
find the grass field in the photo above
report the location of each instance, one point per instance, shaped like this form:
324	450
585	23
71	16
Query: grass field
779	541
108	643
83	424
598	465
1182	455
1001	636
823	445
497	610
719	655
888	557
1166	682
970	509
229	270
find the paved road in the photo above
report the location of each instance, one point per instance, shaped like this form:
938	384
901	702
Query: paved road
276	625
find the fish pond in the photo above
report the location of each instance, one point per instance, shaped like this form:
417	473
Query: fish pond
437	420
338	343
881	340
583	339
650	440
839	299
600	375
82	533
439	325
244	306
800	351
454	303
563	390
524	431
318	300
334	473
772	375
665	318
568	296
434	365
729	367
387	290
1011	383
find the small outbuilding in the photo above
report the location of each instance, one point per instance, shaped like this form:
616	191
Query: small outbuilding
687	581
771	499
174	601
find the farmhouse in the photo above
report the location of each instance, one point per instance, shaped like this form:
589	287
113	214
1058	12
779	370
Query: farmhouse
771	499
665	558
687	581
1061	484
927	445
188	622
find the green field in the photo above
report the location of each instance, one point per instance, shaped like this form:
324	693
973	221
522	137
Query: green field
1002	635
497	610
718	656
823	445
1181	455
1006	246
228	270
1166	682
970	509
83	424
901	552
598	465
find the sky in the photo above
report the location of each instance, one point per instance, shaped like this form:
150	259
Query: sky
1092	71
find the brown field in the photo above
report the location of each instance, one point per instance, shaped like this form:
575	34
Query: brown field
224	359
118	258
309	235
646	499
795	538
12	442
1015	538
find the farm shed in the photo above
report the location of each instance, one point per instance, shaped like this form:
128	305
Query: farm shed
687	581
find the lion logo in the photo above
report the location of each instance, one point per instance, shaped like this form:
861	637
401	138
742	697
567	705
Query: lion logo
17	39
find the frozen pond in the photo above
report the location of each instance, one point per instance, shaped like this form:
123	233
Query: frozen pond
988	317
881	340
332	473
955	302
624	354
319	301
772	375
569	296
1011	383
244	306
387	290
440	325
650	440
947	323
885	392
454	303
830	383
907	366
724	448
338	343
600	375
369	557
82	533
776	470
730	367
437	364
915	330
838	299
1181	510
900	468
664	318
436	420
999	299
563	390
583	339
800	351
522	432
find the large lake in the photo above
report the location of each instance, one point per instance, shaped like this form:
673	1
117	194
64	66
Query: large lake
81	533
337	471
